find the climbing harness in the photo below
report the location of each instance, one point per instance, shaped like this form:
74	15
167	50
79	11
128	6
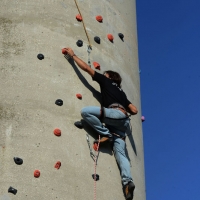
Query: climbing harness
91	152
115	105
119	136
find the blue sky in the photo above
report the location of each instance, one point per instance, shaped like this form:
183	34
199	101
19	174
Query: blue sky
169	49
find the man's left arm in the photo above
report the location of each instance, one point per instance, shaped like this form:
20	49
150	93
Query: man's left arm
80	62
132	109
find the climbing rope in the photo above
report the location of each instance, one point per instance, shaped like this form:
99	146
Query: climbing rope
95	168
91	153
83	24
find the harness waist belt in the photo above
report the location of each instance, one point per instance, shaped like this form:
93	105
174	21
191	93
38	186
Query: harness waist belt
121	137
118	106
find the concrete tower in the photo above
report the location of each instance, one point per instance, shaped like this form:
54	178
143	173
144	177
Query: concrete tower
30	87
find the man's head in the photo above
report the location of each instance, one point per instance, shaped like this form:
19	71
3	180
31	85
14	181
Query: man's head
113	76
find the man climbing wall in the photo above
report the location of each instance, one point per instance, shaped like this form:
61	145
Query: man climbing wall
114	114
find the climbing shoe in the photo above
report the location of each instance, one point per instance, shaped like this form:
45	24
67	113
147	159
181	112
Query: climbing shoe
104	139
128	190
78	124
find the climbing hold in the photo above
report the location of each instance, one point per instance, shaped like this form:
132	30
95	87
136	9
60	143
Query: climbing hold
57	165
79	18
95	146
96	65
79	96
79	43
121	36
18	161
110	37
40	56
37	173
99	18
12	190
64	51
59	102
57	132
97	39
78	124
143	118
95	177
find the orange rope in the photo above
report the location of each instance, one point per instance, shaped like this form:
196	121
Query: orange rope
83	24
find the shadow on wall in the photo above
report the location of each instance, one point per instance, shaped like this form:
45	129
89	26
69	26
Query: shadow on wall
97	96
130	137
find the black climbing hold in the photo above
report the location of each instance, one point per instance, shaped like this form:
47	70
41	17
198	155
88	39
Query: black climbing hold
12	190
79	43
78	124
97	39
97	177
18	161
121	36
59	102
40	56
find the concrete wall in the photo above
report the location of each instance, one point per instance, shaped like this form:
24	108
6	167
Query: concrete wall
29	88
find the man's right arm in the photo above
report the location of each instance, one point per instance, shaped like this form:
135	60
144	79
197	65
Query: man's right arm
80	62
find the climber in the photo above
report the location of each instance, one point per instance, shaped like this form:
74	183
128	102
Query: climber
113	113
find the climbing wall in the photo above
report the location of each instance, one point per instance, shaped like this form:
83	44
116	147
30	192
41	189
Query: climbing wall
31	84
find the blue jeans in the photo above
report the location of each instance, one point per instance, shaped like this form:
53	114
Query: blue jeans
116	122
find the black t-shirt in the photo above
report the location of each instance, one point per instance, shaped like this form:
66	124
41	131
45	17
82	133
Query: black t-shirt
110	92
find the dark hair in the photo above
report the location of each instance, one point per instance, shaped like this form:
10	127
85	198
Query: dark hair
115	77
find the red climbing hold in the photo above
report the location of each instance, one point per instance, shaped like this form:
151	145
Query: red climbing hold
143	118
110	37
57	132
64	51
79	18
37	173
95	146
57	165
99	18
79	96
96	65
